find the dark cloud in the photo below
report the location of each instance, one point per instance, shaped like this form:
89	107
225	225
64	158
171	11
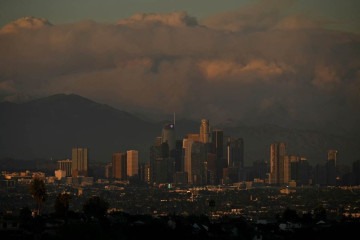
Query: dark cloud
172	19
258	64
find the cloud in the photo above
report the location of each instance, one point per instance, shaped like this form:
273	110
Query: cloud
326	78
25	23
233	70
271	67
172	19
253	17
299	22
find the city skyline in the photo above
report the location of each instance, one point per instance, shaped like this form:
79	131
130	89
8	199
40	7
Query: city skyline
210	158
60	116
290	63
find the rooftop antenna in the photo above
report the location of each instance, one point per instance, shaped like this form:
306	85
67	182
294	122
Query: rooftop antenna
174	119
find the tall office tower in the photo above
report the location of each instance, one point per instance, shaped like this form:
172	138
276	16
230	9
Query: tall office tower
294	167
163	170
217	147
168	135
161	164
198	164
80	162
332	155
331	168
204	131
287	168
319	174
235	152
234	159
304	171
108	171
178	157
260	170
132	163
65	165
187	144
277	154
119	166
211	168
195	161
144	172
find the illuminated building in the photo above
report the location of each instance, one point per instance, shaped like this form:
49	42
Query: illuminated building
277	154
204	131
80	162
119	166
132	163
65	165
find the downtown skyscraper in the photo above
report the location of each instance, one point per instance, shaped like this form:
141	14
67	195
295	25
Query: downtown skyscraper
119	167
277	165
132	161
80	162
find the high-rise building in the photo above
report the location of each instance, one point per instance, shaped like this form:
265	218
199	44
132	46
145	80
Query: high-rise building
163	154
163	170
277	154
198	174
287	168
119	166
108	170
132	163
178	157
211	168
195	158
304	172
331	168
168	135
145	172
332	155
204	131
80	162
235	152
259	170
187	144
162	166
217	147
65	165
234	159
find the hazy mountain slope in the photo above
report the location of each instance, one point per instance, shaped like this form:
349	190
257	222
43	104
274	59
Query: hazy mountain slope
51	126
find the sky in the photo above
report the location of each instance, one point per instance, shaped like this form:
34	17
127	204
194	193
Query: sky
284	62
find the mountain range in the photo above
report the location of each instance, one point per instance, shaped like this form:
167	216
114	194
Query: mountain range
50	127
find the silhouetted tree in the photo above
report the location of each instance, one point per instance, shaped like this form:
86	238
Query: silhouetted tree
38	191
320	213
25	216
95	207
290	215
307	217
62	203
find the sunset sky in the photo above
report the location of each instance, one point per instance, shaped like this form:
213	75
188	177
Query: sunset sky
290	63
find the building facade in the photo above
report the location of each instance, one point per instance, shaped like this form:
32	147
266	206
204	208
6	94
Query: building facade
80	162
